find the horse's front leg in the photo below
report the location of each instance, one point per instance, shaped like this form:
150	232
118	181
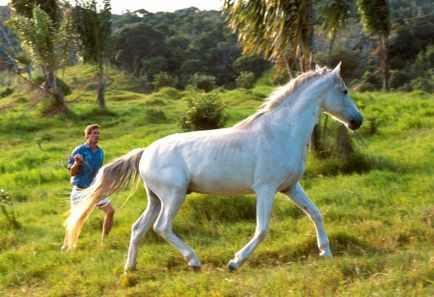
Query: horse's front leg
264	203
296	194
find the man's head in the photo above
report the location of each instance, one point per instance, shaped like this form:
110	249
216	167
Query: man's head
92	133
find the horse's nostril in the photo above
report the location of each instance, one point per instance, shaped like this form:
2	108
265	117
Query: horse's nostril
354	124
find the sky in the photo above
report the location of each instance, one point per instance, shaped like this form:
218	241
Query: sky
120	6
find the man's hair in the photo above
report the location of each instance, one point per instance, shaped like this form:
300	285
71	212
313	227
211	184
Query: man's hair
90	128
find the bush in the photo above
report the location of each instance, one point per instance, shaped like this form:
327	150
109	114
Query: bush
398	79
373	80
39	80
203	82
205	111
251	63
246	80
422	84
154	116
372	127
6	92
424	61
164	79
6	207
170	93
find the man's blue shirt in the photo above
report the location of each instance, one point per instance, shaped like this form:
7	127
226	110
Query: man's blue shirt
92	162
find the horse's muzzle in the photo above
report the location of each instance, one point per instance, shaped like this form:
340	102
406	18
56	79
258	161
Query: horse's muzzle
355	123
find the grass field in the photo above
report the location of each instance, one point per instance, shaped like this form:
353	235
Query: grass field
380	218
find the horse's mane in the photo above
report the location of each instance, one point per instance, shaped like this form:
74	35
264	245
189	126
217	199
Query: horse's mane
281	93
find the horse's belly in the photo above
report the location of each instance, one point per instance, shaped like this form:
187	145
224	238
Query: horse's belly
219	187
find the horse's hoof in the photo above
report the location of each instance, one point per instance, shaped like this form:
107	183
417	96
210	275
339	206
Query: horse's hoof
326	254
64	248
196	268
129	270
232	267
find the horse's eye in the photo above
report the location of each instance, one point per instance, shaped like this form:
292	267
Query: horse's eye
345	92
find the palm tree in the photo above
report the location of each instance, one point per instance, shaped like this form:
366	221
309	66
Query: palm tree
277	30
46	44
375	21
94	30
25	8
333	17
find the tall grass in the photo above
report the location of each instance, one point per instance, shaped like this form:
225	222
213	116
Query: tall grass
379	212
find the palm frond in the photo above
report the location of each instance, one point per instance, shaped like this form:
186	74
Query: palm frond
375	16
273	28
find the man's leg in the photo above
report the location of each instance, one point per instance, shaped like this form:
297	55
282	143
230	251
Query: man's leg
108	219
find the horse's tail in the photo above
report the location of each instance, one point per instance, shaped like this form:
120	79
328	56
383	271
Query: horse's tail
112	177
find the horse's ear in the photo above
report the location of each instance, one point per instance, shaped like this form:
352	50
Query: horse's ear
337	69
317	68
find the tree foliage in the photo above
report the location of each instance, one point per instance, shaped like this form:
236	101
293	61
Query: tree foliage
46	42
246	80
333	16
51	8
163	79
275	29
182	43
203	82
374	16
94	30
375	20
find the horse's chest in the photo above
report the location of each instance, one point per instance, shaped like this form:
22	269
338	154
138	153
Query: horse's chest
280	173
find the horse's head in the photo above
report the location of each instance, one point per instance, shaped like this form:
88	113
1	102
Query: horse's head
338	103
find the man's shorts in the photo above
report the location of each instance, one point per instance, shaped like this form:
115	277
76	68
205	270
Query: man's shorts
76	196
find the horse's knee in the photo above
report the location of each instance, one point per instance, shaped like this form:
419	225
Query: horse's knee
261	234
161	230
135	230
109	211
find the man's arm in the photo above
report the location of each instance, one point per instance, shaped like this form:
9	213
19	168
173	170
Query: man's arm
75	168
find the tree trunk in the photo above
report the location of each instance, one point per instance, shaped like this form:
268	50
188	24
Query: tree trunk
324	129
101	90
332	43
344	145
315	141
29	71
309	35
57	96
384	61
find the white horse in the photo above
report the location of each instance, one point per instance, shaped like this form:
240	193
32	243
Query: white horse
264	154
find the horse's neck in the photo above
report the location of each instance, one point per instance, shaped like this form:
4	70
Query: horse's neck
298	114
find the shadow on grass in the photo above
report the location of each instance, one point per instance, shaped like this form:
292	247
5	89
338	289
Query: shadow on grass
342	244
354	163
345	244
220	209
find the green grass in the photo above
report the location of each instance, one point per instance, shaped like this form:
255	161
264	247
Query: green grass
380	219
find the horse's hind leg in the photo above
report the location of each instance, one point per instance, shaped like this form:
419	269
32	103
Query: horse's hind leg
297	195
163	226
141	226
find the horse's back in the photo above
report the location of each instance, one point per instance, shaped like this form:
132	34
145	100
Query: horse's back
202	161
